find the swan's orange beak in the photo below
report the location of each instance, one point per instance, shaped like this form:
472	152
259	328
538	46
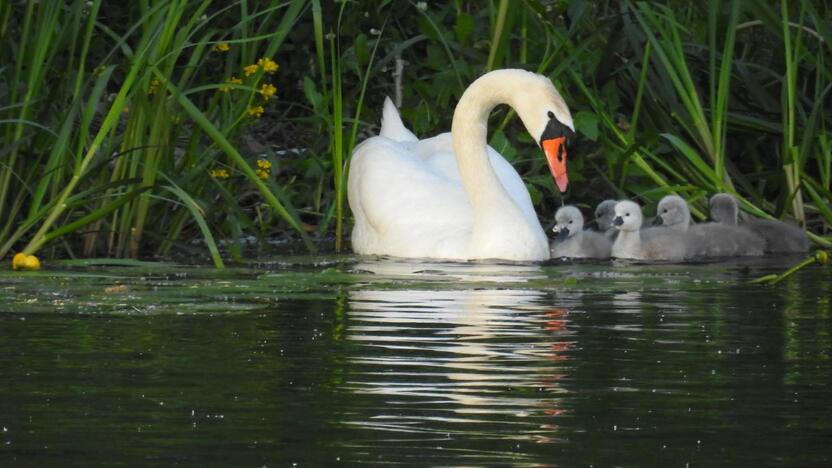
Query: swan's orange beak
555	149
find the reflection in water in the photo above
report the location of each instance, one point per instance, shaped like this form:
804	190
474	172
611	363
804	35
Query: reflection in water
459	272
466	360
419	364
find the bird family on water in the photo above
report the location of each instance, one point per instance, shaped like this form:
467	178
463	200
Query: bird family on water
454	197
672	235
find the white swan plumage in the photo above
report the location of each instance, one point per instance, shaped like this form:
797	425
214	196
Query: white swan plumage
452	196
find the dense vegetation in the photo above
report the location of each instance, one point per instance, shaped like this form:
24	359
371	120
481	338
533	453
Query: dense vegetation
130	129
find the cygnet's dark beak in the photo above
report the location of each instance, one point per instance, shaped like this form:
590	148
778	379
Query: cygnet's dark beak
562	234
618	221
658	221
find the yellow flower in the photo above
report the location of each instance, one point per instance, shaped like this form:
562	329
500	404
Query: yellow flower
232	80
21	261
222	47
220	173
256	111
269	65
251	69
154	84
268	90
264	168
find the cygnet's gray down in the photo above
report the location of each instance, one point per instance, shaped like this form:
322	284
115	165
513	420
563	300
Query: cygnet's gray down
573	241
779	237
644	244
707	239
604	213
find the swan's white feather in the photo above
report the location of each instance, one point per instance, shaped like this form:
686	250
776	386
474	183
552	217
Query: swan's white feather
409	201
392	126
453	197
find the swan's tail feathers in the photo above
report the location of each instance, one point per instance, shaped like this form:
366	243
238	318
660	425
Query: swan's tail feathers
392	126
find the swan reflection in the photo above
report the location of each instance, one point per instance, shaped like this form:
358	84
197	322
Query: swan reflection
464	350
468	273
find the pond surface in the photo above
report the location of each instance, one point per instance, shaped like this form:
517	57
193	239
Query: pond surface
316	361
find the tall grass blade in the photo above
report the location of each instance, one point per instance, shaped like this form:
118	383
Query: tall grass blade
202	121
199	216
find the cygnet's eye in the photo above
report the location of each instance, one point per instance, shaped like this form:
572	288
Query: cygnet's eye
626	214
664	211
570	222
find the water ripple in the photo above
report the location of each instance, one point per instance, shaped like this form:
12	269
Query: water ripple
465	358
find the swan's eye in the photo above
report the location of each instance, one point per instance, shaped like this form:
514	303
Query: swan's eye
551	115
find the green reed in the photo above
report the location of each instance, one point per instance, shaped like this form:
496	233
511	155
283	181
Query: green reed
122	132
138	121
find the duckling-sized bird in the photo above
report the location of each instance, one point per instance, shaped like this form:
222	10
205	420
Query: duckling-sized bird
779	237
604	213
707	239
645	244
573	241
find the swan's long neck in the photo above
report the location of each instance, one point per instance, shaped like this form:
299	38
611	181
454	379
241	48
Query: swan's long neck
469	131
501	227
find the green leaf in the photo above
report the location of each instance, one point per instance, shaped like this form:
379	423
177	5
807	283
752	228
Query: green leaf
692	156
587	124
94	216
362	50
312	94
501	144
205	124
199	217
464	27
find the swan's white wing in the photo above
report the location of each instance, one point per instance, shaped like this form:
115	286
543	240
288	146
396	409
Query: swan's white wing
392	126
438	154
409	201
404	206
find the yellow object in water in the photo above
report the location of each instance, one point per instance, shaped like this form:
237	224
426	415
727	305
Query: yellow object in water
21	261
17	261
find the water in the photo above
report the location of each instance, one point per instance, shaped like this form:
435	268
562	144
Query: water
328	360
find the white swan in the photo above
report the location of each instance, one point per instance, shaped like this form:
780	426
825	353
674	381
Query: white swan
452	196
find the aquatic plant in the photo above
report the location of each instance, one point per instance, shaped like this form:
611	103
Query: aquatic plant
134	130
668	98
821	257
133	118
